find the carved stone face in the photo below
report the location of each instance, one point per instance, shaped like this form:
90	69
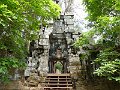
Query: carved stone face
59	53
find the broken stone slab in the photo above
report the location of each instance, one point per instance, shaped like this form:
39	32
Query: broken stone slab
33	80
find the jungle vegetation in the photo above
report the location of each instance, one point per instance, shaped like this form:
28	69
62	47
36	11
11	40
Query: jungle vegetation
20	23
104	21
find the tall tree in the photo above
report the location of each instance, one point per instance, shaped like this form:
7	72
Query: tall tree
19	23
104	18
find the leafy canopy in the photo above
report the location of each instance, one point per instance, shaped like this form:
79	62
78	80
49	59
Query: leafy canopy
104	19
19	23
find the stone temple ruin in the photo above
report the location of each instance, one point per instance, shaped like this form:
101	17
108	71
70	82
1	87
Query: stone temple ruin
54	44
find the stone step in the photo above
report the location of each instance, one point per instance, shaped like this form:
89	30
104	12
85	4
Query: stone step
58	78
58	74
58	81
58	84
50	81
58	87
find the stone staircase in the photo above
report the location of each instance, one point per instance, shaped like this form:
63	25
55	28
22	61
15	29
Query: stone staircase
58	82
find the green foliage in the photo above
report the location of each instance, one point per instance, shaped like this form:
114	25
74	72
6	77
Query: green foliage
104	18
7	64
85	39
99	8
109	62
58	66
19	23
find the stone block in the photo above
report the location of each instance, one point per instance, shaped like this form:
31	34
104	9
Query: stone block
69	21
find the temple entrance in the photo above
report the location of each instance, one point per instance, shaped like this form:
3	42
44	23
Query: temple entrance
58	52
61	65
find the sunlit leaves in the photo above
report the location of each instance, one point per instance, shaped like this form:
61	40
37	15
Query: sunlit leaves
19	23
105	19
104	15
109	69
85	39
6	64
109	62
